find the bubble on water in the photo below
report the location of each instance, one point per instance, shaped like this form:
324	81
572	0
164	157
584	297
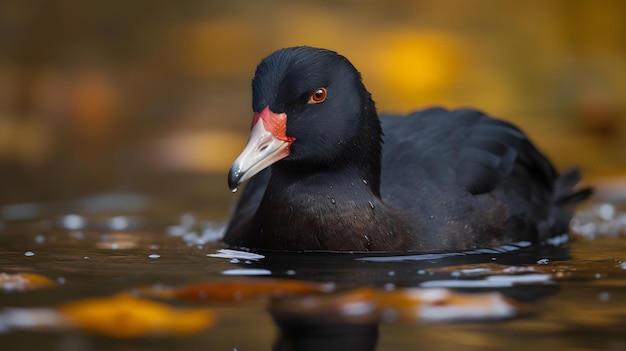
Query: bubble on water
153	256
188	220
207	232
29	254
61	280
234	260
247	271
604	296
357	308
623	265
291	272
176	230
39	239
242	255
191	238
603	220
606	211
477	271
73	222
558	240
118	223
543	261
495	281
86	257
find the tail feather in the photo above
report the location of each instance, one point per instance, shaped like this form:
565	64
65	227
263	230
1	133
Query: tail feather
565	194
564	197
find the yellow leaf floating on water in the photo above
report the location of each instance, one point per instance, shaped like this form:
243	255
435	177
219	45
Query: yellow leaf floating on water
23	282
125	316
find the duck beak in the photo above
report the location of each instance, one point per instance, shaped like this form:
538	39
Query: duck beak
268	144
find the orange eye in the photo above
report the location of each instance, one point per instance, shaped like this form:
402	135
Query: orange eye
318	96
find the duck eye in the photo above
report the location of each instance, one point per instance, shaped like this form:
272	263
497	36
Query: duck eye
318	96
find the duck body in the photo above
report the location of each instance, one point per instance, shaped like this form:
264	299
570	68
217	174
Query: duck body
335	176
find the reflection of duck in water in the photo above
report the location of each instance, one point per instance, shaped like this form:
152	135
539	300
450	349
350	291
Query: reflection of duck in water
344	180
316	334
327	301
349	321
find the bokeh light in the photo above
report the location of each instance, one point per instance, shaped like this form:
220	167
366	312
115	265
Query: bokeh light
114	95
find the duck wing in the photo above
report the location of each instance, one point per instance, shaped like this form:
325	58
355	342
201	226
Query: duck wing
461	176
465	149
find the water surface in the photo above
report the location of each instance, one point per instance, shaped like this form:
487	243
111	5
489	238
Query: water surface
563	298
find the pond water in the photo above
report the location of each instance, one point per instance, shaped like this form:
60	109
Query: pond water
101	246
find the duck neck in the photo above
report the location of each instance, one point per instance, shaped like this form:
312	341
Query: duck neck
365	150
307	180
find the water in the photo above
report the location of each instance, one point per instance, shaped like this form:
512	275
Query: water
546	299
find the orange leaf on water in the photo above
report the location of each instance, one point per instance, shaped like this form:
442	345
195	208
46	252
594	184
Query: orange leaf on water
243	289
125	316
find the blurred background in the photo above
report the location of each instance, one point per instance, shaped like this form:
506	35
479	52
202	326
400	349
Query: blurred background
154	96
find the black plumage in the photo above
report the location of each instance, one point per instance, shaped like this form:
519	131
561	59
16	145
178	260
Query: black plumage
340	178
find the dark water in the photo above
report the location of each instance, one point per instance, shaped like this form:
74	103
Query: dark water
573	298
